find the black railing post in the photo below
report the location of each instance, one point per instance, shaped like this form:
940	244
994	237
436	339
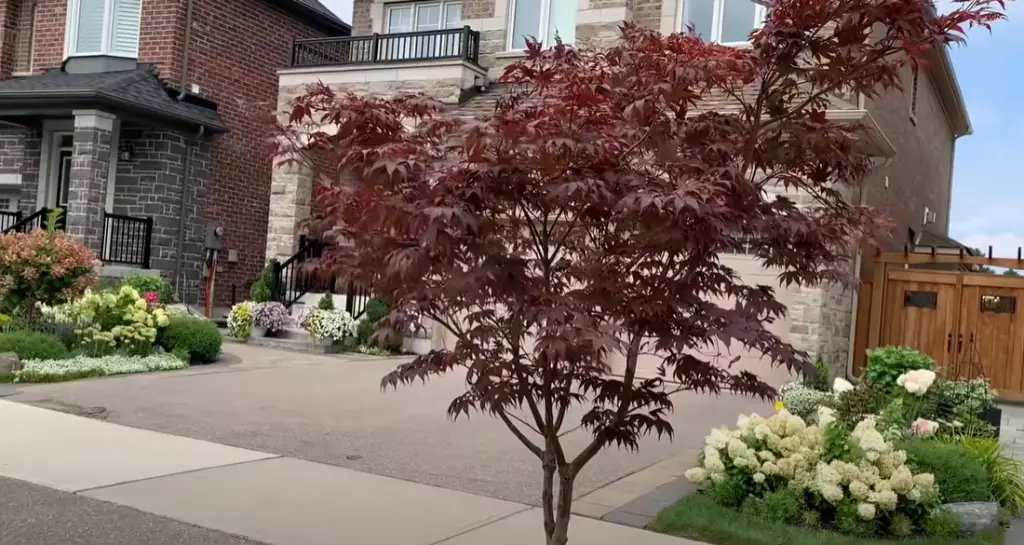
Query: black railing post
466	32
277	282
147	242
373	47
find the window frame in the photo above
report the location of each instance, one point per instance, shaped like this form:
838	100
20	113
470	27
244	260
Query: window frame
443	4
718	10
545	16
106	37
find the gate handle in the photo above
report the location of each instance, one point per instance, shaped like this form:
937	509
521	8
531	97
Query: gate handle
959	343
949	343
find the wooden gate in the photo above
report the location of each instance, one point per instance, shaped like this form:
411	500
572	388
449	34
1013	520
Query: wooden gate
969	322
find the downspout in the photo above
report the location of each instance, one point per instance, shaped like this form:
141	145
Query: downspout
185	50
186	176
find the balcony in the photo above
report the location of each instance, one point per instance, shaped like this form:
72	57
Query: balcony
433	45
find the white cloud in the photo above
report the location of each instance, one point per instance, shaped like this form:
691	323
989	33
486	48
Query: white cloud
1004	244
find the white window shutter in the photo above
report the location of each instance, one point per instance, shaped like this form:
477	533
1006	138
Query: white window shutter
124	28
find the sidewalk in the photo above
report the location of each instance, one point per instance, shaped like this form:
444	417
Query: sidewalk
263	497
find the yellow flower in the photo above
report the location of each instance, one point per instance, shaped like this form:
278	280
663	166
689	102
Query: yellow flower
779	406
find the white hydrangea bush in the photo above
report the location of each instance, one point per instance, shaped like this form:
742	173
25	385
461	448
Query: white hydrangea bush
783	451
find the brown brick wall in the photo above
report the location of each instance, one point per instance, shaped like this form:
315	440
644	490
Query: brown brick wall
23	39
920	174
49	31
237	47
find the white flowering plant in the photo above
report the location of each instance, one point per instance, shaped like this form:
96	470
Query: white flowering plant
834	471
84	367
240	319
335	325
273	316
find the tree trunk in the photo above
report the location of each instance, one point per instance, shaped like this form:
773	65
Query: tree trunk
566	480
547	493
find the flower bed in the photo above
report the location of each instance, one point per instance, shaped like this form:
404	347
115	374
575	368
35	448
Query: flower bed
86	367
875	462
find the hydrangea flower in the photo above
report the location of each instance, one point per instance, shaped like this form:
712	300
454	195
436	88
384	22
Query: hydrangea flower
916	382
840	385
923	428
866	511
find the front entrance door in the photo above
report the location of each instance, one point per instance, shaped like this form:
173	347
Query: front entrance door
60	169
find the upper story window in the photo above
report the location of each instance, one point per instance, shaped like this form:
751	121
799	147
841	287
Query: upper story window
723	21
424	16
541	20
103	27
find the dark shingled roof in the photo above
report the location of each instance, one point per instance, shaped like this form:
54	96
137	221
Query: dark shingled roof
314	7
929	239
139	90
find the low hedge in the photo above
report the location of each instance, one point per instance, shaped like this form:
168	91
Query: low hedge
86	367
33	345
200	338
958	475
698	517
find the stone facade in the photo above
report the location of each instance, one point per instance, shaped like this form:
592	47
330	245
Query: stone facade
90	167
291	193
150	186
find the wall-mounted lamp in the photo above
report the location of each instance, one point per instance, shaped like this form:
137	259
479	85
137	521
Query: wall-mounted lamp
126	151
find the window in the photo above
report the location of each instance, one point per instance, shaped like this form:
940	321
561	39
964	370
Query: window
998	304
541	20
913	94
920	299
5	204
722	21
103	27
422	17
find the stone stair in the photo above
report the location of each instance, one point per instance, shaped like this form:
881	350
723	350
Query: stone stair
483	104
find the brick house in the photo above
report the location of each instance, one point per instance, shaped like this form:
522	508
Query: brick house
453	49
94	122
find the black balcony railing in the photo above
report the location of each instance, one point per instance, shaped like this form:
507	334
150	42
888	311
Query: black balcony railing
127	240
9	219
35	220
455	43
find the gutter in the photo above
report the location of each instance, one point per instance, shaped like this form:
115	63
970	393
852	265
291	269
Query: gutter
48	97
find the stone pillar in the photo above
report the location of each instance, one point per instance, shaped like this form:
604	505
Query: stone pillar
30	161
291	194
90	168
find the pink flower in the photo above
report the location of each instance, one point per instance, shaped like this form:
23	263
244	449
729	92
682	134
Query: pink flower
924	428
151	297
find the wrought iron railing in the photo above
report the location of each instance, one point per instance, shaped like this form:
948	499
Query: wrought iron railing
127	240
456	43
293	279
36	220
8	219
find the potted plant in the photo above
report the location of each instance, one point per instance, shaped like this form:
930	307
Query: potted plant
329	328
269	319
240	320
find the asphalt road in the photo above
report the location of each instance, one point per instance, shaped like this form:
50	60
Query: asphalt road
331	410
35	515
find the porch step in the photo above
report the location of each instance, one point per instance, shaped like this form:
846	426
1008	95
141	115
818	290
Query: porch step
296	341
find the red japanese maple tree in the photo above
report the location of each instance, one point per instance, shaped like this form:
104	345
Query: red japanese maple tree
584	219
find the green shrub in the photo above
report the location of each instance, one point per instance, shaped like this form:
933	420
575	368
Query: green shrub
376	309
810	519
32	345
182	353
326	302
849	522
729	493
958	476
802	400
260	292
886	364
852	405
752	507
901	526
784	506
144	283
199	337
1005	481
942	524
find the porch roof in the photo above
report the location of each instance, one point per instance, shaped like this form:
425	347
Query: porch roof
137	92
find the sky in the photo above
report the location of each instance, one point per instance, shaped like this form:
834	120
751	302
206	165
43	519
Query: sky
988	204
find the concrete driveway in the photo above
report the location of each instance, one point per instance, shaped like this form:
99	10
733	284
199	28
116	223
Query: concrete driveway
331	410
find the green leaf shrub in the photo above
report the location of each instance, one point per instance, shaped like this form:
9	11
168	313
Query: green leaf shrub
958	476
33	345
199	337
144	283
887	363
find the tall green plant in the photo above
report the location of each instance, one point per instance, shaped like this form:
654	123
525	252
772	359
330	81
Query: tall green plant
1005	479
887	363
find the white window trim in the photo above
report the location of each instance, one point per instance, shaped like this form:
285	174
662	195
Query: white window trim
545	15
760	14
443	4
71	32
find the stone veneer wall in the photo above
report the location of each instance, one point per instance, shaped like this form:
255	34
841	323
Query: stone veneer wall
90	167
150	186
19	164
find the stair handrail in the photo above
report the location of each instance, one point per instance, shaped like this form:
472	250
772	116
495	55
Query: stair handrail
25	224
279	291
